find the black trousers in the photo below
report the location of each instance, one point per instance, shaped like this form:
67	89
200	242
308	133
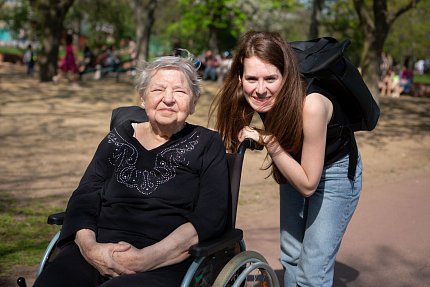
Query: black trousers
70	269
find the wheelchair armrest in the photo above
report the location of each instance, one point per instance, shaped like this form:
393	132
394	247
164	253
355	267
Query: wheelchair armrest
206	248
56	218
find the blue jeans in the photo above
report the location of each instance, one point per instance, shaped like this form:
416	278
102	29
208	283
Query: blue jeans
312	228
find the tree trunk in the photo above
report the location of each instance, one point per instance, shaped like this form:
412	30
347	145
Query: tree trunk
144	17
370	60
375	24
50	16
315	18
213	40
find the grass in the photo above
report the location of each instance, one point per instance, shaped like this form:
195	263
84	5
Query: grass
24	233
11	50
422	79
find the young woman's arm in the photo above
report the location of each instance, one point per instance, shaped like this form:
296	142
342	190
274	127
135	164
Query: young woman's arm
304	176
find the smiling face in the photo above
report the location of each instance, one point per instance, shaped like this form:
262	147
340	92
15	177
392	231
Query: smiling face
260	82
168	99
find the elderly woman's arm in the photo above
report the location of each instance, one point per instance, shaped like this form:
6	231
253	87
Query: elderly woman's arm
207	219
100	255
84	204
171	250
81	217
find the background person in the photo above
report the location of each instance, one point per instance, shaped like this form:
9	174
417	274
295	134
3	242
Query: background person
29	60
152	190
211	63
68	64
319	173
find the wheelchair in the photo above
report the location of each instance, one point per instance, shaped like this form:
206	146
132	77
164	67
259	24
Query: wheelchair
219	262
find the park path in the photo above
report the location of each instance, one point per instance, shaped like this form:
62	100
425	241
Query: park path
387	242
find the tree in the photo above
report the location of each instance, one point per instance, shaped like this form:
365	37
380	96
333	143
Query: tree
216	24
49	16
340	21
144	17
317	6
93	19
410	35
375	23
208	24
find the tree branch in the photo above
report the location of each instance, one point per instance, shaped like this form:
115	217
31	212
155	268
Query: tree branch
412	4
363	15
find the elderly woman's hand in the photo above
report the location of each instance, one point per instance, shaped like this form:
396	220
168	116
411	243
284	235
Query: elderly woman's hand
263	138
171	250
100	255
249	132
134	259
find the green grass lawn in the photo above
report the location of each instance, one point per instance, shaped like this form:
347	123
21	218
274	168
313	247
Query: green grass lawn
11	50
422	79
24	233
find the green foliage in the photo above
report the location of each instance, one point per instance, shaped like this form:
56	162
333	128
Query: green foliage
290	18
16	17
410	34
201	24
226	20
99	16
24	233
340	21
201	18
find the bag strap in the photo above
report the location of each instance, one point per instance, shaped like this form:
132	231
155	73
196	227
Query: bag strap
311	46
318	46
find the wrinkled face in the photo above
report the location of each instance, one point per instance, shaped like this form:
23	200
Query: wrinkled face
168	100
260	82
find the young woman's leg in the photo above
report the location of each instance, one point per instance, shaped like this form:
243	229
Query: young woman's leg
308	255
330	210
292	225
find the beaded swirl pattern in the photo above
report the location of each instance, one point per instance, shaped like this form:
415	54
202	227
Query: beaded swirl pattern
125	156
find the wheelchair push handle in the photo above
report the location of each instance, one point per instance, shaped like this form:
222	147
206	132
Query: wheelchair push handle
249	144
21	282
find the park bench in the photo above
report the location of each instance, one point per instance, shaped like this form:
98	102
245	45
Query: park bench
420	90
117	69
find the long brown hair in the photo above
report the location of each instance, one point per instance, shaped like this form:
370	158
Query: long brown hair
285	120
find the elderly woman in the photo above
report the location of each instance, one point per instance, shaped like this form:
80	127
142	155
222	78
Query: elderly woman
152	190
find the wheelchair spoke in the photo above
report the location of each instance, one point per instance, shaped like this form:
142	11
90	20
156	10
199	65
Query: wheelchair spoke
248	268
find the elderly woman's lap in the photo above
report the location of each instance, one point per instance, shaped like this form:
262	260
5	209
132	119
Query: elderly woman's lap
70	269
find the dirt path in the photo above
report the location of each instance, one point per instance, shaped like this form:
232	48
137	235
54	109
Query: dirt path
48	134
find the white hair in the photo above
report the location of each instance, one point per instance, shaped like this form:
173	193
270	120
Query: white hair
184	65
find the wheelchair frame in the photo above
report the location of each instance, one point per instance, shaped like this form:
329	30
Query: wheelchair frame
242	262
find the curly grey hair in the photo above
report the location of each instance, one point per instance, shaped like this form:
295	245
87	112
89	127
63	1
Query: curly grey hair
184	65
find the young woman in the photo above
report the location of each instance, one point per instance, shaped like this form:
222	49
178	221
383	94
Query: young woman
319	171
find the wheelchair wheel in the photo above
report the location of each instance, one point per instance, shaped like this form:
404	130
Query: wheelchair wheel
204	270
248	268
